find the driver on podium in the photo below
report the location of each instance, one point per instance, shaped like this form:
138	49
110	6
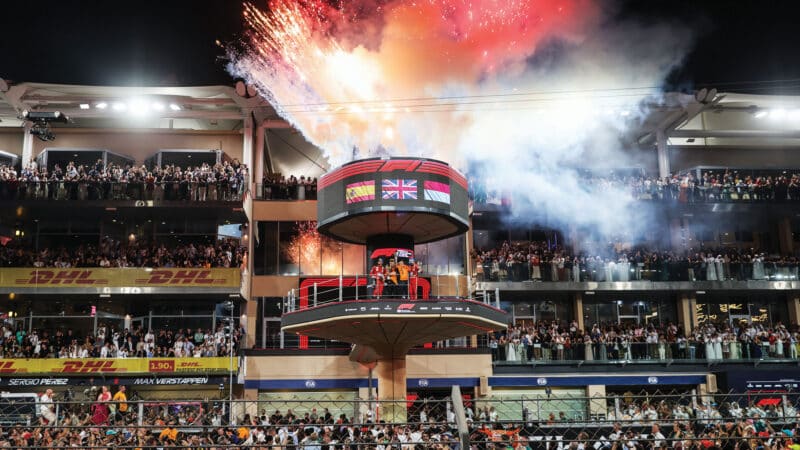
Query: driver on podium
377	274
402	272
413	277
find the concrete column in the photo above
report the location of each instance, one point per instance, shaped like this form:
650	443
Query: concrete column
391	376
247	140
257	170
577	305
785	236
663	154
686	313
793	305
597	401
253	322
27	146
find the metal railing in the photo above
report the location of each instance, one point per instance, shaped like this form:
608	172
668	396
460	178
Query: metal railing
363	287
283	191
546	419
511	354
661	271
83	190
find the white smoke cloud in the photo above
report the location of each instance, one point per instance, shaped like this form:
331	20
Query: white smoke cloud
528	124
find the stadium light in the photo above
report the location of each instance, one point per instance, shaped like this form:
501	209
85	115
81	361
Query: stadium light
761	113
101	105
777	114
794	114
119	106
158	106
138	107
174	107
84	106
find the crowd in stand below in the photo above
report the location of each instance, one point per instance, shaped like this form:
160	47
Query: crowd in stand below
110	342
662	422
113	253
537	261
549	341
278	187
711	186
219	182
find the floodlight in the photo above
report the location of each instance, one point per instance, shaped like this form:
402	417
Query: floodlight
779	113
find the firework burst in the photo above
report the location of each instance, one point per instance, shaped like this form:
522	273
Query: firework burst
348	74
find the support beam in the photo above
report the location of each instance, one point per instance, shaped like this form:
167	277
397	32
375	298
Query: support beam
739	134
577	306
27	146
785	238
663	155
257	170
276	123
793	304
247	141
391	374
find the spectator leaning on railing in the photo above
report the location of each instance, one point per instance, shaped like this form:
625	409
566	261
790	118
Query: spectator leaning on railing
110	342
278	187
553	341
680	421
219	182
713	186
537	261
111	253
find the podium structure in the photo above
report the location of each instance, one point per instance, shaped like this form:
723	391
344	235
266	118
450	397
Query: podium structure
392	203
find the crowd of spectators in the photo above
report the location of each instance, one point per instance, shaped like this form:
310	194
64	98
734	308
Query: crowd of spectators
278	187
115	253
629	423
553	341
110	342
224	181
536	261
712	186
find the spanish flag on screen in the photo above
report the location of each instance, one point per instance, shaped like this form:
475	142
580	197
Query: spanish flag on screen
360	192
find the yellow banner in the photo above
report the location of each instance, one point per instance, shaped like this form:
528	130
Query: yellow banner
122	277
119	366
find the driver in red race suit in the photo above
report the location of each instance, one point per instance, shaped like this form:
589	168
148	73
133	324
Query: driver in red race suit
377	275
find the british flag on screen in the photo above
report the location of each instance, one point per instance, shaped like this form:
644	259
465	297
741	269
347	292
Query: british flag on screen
399	189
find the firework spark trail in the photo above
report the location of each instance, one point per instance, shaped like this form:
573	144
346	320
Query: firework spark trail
524	88
311	53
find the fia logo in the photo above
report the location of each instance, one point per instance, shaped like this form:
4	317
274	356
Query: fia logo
311	384
422	382
541	381
652	380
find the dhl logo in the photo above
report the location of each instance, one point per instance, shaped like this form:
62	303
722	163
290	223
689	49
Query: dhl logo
190	364
8	367
181	277
89	367
161	365
80	277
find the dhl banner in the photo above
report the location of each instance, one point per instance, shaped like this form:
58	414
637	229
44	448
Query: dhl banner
121	277
118	366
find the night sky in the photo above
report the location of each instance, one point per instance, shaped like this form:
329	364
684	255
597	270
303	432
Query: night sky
739	45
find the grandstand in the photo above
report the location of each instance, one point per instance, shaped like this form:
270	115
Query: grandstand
160	251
